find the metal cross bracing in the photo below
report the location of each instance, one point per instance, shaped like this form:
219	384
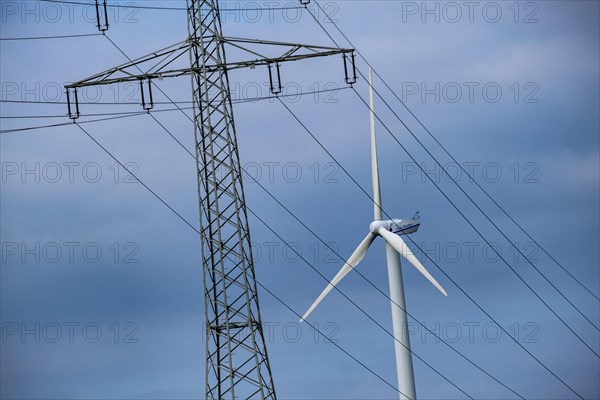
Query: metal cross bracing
237	364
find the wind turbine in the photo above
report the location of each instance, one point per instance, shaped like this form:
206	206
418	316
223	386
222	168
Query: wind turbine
391	231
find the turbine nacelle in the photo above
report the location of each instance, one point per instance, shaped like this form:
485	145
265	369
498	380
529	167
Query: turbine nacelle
396	226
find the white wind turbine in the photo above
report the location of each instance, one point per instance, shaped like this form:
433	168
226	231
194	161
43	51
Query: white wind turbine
390	231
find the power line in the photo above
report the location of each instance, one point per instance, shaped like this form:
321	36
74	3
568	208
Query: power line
446	151
138	179
172	8
234	101
91	115
31	128
427	255
51	37
80	3
80	103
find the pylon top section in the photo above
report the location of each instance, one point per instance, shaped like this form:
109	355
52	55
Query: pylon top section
167	62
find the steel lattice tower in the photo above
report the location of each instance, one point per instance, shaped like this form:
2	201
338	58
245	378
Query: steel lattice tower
237	365
235	346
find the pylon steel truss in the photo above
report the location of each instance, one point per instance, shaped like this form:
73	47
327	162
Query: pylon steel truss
237	365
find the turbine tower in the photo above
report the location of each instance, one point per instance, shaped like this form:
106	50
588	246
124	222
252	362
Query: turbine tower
391	231
237	365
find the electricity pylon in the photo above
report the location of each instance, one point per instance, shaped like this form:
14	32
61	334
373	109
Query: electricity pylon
237	365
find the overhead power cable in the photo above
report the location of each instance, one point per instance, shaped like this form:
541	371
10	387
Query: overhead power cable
91	115
164	8
464	170
138	179
50	37
234	101
31	128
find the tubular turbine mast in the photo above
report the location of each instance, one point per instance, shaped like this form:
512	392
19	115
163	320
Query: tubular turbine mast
237	365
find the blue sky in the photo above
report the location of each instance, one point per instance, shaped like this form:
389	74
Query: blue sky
514	96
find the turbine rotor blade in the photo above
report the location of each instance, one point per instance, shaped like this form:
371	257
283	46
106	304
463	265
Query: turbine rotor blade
374	163
352	262
400	246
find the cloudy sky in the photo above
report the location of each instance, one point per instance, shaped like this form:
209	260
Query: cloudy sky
101	284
